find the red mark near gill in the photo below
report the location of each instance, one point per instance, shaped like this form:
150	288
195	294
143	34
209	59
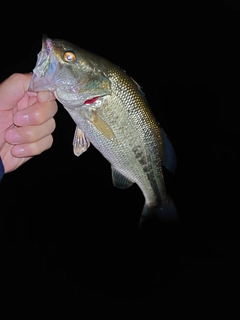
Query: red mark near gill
90	101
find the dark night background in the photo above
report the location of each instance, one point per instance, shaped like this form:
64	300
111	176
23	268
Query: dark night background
70	235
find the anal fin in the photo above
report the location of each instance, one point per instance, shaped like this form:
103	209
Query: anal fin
120	181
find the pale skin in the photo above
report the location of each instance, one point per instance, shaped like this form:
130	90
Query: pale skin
26	121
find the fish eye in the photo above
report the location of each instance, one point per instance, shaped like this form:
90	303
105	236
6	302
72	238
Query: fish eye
69	56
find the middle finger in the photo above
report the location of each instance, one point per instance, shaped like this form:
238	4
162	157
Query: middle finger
36	114
30	134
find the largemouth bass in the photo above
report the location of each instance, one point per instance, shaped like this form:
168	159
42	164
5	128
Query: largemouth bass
111	113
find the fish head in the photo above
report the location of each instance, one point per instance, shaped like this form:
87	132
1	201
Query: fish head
69	72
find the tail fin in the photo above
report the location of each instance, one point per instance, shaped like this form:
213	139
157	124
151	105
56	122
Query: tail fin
165	213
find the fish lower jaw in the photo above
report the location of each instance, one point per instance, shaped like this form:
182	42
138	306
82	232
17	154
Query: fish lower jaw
68	103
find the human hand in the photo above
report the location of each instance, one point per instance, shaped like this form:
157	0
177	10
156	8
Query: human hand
26	121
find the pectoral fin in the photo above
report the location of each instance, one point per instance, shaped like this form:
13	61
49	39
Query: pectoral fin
120	181
80	142
102	126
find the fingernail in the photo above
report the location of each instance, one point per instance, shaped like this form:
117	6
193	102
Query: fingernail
13	136
21	119
18	151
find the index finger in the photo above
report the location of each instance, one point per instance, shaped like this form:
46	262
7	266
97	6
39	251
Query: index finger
13	89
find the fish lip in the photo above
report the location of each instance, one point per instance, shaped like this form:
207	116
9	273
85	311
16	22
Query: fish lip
65	103
40	84
47	44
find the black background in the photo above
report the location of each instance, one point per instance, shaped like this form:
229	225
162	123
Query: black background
70	235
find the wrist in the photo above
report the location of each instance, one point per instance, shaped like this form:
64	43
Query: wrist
1	169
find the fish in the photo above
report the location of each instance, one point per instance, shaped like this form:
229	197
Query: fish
111	113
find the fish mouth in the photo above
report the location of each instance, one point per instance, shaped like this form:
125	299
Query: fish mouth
43	74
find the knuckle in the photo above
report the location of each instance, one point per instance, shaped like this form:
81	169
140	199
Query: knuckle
52	125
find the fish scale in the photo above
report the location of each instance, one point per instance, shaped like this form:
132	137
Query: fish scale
111	113
149	162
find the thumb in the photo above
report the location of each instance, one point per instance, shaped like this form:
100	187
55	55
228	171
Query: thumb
13	89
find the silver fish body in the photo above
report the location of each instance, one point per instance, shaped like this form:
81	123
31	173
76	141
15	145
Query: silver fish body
111	113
